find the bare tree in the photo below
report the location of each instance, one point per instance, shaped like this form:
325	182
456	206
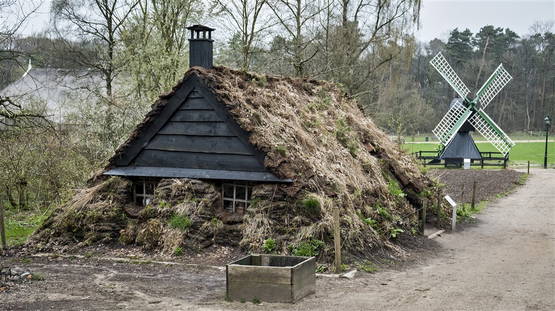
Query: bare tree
13	114
246	18
364	27
294	17
155	43
100	21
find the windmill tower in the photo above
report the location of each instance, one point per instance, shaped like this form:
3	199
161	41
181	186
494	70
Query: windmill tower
467	114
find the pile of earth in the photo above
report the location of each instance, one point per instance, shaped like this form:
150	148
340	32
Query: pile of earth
489	183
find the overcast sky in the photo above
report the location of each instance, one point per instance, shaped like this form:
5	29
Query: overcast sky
437	18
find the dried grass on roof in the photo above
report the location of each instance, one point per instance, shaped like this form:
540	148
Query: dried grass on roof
315	135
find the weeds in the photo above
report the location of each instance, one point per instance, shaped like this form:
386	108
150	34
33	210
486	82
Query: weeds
395	189
308	248
343	134
180	222
394	232
522	179
383	212
368	267
371	222
37	277
282	150
178	251
465	211
311	205
269	246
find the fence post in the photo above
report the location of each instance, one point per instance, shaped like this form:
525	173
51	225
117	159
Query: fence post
423	225
438	221
2	227
528	171
454	218
473	194
337	239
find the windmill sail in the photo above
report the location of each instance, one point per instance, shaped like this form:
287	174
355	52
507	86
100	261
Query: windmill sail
498	79
491	131
451	122
442	66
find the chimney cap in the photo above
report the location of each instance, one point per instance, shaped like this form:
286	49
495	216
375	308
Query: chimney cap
200	28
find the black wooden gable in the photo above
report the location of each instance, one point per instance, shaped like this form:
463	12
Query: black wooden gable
194	136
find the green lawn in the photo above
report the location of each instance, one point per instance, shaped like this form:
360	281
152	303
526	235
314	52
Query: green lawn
519	155
20	225
477	137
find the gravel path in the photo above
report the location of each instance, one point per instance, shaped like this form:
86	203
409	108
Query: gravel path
506	261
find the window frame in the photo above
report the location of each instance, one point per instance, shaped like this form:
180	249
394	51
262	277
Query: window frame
234	200
146	196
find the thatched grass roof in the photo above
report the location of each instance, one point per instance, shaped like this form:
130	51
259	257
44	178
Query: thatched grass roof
314	134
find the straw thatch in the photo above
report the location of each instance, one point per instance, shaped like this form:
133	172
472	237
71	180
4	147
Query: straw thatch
313	134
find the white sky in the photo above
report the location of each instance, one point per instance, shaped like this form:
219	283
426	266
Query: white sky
437	18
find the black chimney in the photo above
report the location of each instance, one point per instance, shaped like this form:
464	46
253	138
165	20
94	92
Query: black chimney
200	46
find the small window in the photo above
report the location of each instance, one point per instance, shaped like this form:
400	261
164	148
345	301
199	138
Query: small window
143	191
236	197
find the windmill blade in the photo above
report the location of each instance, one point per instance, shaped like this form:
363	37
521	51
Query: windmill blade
495	83
491	131
442	66
451	122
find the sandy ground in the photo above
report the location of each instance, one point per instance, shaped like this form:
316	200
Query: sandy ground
505	261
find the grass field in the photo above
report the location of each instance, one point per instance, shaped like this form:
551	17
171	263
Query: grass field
519	155
478	137
20	225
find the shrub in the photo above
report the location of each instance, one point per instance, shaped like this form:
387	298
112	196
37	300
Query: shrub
269	245
308	248
180	222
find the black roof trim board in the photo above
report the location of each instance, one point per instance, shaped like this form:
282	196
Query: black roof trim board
170	172
147	134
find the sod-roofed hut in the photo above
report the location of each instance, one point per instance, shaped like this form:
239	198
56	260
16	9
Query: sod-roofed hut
236	158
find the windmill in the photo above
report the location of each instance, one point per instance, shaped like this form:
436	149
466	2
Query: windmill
467	114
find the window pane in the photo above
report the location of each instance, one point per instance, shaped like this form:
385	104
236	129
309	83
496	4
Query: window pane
228	206
240	192
228	191
138	187
240	207
150	187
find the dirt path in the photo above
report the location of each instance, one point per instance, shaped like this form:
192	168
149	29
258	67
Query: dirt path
506	261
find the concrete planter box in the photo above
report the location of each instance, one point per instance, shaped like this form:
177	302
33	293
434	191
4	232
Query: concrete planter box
271	278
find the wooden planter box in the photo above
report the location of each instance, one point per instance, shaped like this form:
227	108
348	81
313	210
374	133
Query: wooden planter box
271	278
